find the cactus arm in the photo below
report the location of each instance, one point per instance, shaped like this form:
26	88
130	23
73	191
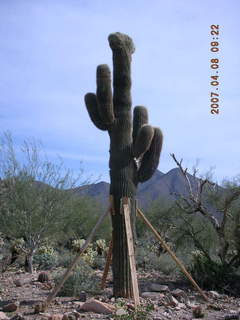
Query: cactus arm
140	117
143	140
128	140
92	108
122	47
150	159
104	94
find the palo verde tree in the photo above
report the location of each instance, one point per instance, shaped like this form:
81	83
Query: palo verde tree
135	147
34	203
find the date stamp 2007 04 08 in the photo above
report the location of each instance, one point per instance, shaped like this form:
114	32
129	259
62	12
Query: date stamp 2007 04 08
214	61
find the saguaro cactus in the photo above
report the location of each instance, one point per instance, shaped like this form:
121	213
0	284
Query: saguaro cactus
135	146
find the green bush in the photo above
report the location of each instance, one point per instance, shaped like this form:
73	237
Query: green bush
99	262
46	260
46	257
65	258
82	279
88	255
212	274
148	260
142	312
101	246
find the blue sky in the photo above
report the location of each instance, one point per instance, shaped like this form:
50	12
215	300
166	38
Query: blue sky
49	51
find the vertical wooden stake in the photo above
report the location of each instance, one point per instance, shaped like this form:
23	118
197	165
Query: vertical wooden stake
126	212
107	265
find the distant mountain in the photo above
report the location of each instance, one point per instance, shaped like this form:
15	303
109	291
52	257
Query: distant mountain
160	185
98	191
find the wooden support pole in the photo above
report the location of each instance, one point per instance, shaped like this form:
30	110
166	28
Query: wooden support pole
67	273
166	247
107	265
126	212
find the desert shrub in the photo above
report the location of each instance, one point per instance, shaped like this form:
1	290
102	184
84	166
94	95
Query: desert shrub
101	246
34	203
65	258
149	260
99	262
82	279
142	312
89	255
213	274
46	258
45	261
166	264
46	249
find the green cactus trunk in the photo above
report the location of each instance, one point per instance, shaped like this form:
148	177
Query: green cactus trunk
135	147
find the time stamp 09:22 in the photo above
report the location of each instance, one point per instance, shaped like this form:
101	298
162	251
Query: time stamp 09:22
214	62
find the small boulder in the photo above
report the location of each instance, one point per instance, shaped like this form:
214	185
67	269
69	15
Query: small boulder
178	293
180	306
191	305
19	282
172	301
158	287
121	312
11	307
214	294
3	316
152	295
96	306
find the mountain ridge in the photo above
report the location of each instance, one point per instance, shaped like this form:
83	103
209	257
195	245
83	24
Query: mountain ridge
161	185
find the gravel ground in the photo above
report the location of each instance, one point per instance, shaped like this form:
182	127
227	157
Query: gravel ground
24	291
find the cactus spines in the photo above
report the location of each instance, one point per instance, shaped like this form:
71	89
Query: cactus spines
130	140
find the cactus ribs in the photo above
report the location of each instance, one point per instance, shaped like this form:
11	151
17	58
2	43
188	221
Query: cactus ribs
135	147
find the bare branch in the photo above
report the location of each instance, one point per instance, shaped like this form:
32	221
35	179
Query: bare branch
184	172
195	197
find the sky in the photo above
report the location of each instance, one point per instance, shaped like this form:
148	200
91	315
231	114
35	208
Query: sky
49	51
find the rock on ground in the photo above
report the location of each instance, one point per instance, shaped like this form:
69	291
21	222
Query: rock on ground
93	305
3	316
